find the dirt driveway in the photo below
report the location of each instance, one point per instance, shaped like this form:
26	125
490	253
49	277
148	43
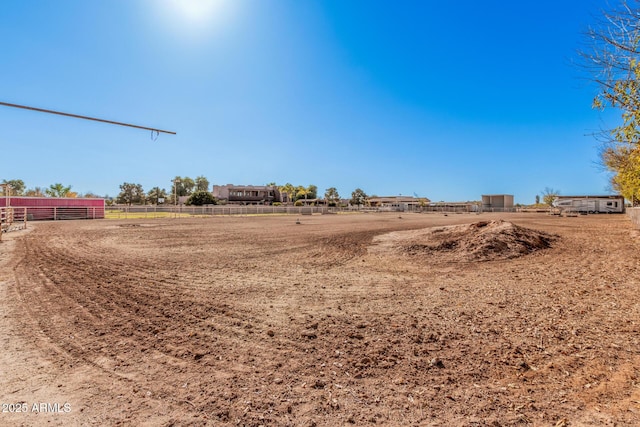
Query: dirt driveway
261	321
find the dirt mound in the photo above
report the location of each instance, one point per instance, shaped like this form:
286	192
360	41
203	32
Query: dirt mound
479	241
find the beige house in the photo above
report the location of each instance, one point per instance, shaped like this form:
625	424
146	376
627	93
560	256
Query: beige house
497	202
248	194
397	201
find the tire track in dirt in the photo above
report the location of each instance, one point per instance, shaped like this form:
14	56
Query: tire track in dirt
68	272
75	290
254	326
115	309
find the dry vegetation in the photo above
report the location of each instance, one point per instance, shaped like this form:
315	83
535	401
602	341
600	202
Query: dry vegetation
342	320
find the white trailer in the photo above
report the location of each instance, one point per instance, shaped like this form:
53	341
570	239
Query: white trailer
590	204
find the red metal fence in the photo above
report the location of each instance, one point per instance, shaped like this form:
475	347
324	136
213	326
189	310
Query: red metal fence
56	208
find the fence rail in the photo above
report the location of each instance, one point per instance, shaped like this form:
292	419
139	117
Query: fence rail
152	211
12	219
634	214
200	211
55	213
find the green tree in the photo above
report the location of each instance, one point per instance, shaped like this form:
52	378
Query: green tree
17	187
289	190
613	59
131	193
188	185
549	196
200	198
301	192
90	195
331	196
182	186
57	190
155	194
358	197
202	183
625	160
35	192
537	199
312	191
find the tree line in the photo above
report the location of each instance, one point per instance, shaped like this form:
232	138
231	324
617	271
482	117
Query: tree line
197	191
296	194
17	187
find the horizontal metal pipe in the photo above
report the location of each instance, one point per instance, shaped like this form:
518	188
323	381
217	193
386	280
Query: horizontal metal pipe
77	116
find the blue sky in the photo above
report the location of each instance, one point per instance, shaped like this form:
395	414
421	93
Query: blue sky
445	99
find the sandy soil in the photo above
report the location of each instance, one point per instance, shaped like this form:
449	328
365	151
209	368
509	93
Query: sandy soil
340	320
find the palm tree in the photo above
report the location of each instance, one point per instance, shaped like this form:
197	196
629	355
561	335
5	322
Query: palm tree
35	192
289	190
57	190
302	192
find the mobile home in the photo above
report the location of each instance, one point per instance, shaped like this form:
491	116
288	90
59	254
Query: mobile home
590	204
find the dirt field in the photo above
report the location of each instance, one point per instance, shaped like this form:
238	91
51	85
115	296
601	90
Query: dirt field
340	320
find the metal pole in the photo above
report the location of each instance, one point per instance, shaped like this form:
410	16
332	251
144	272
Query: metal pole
77	116
175	196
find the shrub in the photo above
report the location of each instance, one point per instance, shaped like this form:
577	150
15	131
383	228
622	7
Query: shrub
200	198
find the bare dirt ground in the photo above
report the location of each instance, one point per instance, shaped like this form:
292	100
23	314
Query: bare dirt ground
341	320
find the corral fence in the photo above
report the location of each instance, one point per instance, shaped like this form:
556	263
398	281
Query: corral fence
153	211
204	211
634	214
55	213
499	210
12	219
